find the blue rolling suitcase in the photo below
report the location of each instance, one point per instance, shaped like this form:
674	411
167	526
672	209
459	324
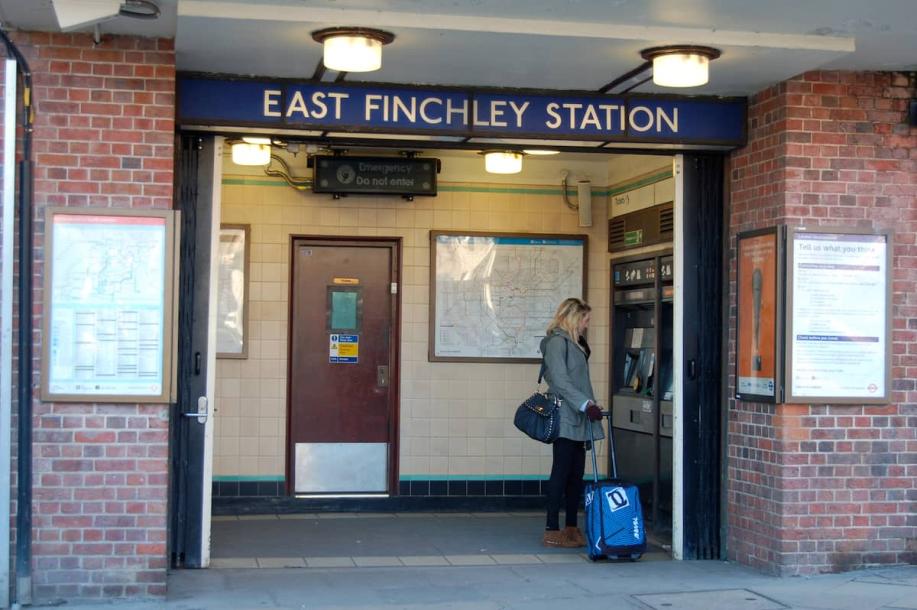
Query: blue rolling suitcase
614	517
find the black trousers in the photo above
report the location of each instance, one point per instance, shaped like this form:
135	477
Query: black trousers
566	482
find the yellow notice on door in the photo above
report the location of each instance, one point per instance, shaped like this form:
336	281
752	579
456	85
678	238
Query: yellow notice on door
343	349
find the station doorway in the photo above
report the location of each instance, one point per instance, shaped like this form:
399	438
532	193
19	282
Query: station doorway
456	448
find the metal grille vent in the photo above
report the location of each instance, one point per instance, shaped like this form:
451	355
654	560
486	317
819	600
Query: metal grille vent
616	229
666	220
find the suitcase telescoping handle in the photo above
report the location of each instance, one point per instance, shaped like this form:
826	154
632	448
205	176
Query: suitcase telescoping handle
611	450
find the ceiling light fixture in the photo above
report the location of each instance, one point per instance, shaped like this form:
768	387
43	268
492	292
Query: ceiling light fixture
680	65
540	151
252	151
352	49
503	161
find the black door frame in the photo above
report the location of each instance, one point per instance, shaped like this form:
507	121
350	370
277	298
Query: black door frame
703	279
194	190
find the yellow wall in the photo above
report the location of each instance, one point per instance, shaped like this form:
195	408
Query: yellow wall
456	419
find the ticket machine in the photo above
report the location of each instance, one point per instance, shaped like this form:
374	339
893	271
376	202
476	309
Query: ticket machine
642	380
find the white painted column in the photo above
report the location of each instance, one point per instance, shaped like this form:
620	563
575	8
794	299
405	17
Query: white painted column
6	322
678	364
215	214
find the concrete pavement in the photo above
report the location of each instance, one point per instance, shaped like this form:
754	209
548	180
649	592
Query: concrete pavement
479	561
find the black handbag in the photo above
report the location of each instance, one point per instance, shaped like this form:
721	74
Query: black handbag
539	415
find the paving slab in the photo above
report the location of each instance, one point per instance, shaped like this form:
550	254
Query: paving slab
377	562
330	562
424	560
723	599
281	562
470	560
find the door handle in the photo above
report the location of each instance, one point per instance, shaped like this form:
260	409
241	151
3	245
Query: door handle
202	410
692	369
382	376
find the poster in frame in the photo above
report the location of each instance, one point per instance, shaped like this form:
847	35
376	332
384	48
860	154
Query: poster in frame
109	286
232	291
759	301
839	315
493	294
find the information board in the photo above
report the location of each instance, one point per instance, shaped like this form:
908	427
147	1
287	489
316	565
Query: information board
108	285
493	295
839	321
759	297
232	291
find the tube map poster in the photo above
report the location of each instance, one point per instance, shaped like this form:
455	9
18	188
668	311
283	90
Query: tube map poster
495	295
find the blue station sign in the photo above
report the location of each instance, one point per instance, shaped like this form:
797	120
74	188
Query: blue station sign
462	112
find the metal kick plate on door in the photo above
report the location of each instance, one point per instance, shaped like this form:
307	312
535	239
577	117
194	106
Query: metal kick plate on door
341	467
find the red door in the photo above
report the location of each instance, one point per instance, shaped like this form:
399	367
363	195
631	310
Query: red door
342	398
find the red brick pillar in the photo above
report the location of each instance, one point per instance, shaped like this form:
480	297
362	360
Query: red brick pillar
104	125
825	488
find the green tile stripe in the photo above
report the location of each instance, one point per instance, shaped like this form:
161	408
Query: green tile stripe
473	477
448	188
505	190
404	477
244	478
664	174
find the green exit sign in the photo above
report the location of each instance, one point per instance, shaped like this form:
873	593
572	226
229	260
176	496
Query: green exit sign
633	238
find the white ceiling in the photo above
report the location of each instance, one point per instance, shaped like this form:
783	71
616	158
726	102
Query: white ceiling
544	44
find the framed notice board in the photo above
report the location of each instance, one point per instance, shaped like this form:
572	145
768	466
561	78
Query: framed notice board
232	291
759	337
838	329
492	295
108	332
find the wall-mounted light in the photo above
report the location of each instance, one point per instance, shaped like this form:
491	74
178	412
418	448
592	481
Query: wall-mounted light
352	49
503	161
252	151
540	151
680	65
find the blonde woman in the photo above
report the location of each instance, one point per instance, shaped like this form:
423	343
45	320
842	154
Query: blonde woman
566	356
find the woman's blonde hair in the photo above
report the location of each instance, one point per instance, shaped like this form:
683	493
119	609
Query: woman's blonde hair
569	315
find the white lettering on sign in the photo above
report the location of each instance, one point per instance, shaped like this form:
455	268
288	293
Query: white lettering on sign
429	119
419	110
462	110
270	102
519	110
315	108
609	117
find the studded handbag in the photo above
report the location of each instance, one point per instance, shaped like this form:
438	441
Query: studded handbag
539	415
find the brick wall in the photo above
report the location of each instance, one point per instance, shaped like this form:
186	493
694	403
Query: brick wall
103	138
824	488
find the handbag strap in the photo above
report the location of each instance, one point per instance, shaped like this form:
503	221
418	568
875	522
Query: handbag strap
543	368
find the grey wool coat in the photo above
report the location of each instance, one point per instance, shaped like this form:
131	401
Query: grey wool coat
567	375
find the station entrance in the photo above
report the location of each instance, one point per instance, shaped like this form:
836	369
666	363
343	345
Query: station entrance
426	463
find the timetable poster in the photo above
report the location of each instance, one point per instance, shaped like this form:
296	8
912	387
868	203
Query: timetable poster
839	323
108	327
757	308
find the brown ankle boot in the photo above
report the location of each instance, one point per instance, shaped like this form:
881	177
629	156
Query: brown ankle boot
575	536
557	538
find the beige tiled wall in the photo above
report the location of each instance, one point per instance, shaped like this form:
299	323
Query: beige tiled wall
456	419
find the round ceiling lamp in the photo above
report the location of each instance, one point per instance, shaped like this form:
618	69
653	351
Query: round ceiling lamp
252	151
503	161
680	65
352	49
